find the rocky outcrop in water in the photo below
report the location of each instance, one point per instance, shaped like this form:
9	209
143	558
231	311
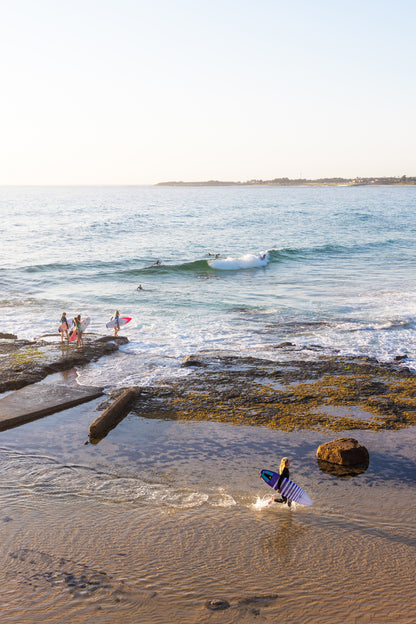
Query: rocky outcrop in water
344	452
24	362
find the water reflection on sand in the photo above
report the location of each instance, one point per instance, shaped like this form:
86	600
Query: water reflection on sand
161	517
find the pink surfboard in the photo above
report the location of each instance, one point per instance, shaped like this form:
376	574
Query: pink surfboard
84	324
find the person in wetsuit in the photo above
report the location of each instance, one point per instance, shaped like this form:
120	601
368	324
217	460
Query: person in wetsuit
284	473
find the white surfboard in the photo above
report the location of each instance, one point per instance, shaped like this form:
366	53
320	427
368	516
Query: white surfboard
123	320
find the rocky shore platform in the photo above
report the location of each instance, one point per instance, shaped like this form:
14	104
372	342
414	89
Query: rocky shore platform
331	393
24	362
289	393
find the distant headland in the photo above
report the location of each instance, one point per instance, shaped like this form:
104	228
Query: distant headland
386	181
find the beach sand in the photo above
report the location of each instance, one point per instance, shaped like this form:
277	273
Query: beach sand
162	517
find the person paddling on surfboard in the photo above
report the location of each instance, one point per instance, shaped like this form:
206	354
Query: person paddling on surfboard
283	472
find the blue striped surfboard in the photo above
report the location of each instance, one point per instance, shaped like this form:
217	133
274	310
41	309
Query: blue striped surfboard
287	488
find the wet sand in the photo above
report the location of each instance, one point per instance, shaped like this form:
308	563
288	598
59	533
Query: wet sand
163	516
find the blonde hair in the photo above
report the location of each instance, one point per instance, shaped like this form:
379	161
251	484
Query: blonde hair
283	464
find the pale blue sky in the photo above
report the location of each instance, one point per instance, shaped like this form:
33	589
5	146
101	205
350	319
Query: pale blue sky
137	92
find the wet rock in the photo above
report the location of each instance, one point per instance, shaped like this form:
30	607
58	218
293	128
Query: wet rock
217	605
8	336
343	451
189	360
119	340
23	362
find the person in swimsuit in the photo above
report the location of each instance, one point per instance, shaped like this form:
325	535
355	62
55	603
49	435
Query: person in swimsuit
65	328
139	287
117	322
78	329
283	472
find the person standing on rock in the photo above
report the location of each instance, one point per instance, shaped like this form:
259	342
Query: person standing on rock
64	327
284	473
116	322
78	329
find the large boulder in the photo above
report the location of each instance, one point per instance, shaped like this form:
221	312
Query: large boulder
344	452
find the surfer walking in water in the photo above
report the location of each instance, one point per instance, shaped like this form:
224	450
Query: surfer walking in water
284	473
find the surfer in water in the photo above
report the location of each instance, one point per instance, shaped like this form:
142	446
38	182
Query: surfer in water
283	472
64	327
157	263
139	287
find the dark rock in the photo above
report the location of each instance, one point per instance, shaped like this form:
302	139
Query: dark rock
343	451
8	336
217	605
119	340
190	361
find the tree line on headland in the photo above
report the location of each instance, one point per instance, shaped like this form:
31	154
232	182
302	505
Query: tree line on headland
385	181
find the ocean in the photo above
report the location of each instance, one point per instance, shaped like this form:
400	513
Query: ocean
166	521
339	270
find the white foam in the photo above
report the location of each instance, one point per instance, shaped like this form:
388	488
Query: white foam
248	261
262	503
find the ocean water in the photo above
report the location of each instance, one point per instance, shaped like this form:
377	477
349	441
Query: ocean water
339	270
161	517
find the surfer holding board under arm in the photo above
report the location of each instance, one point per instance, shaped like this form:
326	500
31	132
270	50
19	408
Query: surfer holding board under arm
284	473
280	482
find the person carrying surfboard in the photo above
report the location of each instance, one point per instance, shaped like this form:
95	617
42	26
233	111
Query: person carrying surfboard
283	472
78	329
116	322
64	327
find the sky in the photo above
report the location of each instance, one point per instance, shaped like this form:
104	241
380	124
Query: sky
146	91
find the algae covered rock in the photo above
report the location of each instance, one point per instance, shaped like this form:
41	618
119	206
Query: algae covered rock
343	451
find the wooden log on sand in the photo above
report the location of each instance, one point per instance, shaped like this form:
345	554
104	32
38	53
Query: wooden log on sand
113	414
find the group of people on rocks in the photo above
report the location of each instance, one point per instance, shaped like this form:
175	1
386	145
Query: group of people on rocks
67	328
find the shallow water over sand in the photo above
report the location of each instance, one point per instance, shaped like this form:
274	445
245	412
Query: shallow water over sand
162	516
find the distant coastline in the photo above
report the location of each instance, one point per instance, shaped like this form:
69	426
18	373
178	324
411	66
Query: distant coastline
386	181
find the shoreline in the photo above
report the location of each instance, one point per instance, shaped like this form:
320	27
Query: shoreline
333	393
167	515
